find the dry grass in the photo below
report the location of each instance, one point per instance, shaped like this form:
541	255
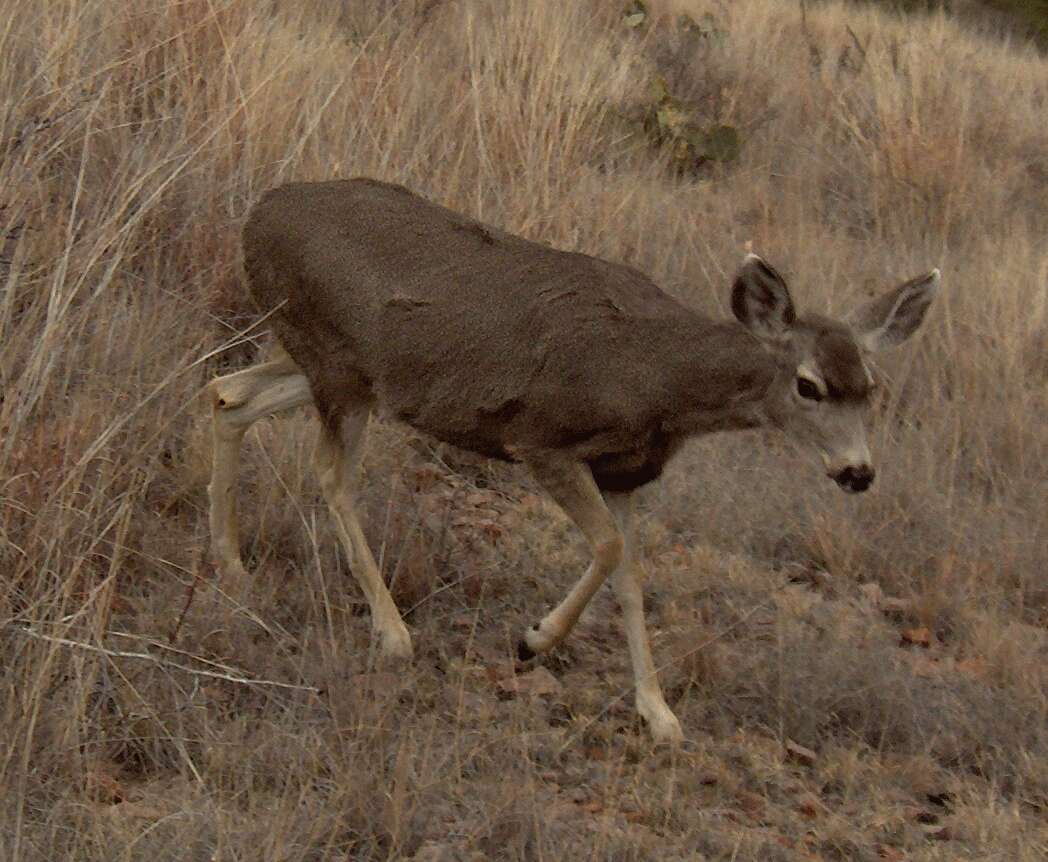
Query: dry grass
133	136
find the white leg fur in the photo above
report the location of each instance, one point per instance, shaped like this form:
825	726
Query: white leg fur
571	485
626	582
238	400
338	464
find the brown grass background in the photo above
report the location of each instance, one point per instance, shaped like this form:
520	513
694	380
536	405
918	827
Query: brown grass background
133	137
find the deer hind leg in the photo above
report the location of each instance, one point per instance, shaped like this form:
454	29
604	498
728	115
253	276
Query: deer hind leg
237	401
338	464
571	485
626	581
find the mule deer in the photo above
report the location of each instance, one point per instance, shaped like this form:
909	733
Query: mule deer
582	369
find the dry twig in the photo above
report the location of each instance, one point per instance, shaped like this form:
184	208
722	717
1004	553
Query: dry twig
228	674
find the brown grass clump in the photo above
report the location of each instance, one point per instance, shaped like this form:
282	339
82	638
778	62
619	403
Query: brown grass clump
860	679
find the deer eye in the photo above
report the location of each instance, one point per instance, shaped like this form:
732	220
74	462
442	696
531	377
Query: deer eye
807	389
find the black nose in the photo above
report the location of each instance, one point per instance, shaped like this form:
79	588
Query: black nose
855	479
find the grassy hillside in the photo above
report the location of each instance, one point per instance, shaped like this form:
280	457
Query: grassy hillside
859	678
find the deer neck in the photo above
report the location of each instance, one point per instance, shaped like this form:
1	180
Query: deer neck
718	378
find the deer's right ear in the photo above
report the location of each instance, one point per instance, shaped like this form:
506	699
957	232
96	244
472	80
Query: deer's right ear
760	299
890	319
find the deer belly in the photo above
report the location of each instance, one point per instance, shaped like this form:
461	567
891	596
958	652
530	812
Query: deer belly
622	472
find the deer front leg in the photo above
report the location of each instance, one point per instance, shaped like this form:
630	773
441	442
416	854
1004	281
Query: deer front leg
571	485
626	581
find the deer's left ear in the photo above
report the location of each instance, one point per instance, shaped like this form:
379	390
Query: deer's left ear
890	319
761	300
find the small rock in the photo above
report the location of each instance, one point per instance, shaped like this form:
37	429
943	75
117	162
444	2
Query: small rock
872	593
895	607
535	683
937	833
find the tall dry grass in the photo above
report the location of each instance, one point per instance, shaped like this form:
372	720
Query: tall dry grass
133	137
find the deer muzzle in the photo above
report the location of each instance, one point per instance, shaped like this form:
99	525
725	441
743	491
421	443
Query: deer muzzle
854	478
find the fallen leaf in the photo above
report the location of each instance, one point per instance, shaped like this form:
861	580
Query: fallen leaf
919	636
890	853
799	754
635	14
810	807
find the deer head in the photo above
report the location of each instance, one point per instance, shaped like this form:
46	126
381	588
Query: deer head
822	389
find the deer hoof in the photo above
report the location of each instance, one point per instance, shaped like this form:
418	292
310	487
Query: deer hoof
538	638
663	726
524	652
396	644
